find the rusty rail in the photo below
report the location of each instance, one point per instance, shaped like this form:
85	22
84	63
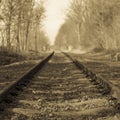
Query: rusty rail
107	87
23	81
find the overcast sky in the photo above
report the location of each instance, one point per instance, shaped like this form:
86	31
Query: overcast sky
55	15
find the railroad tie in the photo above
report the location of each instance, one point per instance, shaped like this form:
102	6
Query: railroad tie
85	70
89	74
93	78
105	87
79	65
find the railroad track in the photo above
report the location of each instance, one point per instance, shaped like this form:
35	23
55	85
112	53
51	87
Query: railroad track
12	90
60	91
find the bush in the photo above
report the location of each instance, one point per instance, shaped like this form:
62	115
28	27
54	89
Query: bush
7	57
98	50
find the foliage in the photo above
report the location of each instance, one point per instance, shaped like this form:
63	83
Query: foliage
66	36
97	23
22	20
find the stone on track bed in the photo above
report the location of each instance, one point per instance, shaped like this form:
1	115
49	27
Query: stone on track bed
60	92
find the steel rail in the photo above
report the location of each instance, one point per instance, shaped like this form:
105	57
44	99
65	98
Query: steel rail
106	86
23	81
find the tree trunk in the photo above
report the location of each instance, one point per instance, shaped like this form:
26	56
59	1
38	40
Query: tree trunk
36	47
27	33
18	29
8	34
3	40
79	25
18	35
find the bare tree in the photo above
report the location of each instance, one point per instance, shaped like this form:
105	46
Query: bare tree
97	22
67	37
38	13
22	19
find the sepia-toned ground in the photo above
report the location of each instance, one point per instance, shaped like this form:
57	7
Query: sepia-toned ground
102	65
62	92
9	73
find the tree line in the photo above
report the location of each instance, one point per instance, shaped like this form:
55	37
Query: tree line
91	24
21	25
